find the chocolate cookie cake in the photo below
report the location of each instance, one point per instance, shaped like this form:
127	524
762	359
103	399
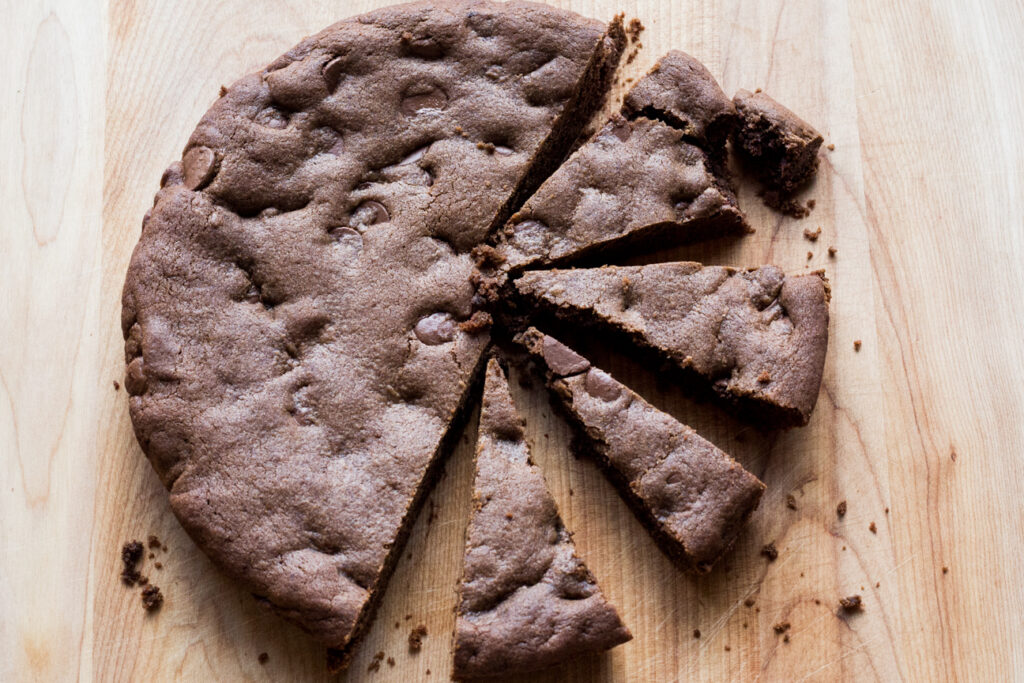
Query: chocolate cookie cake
298	314
754	338
526	600
312	299
691	496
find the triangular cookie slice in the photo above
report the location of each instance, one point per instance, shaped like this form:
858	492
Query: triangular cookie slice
635	180
692	497
755	338
527	601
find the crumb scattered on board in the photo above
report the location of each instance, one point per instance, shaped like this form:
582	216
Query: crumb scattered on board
856	344
841	508
770	551
873	528
790	501
781	627
416	637
852	603
152	598
812	235
696	633
263	658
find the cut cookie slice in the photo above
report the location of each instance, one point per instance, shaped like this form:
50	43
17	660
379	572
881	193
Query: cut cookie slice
755	338
682	92
526	600
777	145
298	313
635	180
691	496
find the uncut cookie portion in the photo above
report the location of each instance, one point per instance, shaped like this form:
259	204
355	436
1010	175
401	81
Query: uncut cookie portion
635	180
692	497
298	313
754	338
526	600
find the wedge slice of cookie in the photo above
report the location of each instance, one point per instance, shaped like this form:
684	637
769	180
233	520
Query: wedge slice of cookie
754	338
635	181
692	497
526	600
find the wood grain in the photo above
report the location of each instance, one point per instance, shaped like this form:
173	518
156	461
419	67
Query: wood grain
920	431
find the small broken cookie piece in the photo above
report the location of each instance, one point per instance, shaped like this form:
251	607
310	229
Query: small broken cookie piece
852	603
680	91
152	598
131	555
775	144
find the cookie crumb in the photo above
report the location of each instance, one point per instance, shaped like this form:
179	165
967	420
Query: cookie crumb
749	602
832	251
852	603
153	541
886	510
696	633
131	554
391	661
856	344
872	528
263	658
765	377
812	236
416	637
373	666
878	584
817	601
785	638
841	509
727	648
158	565
810	255
770	551
781	626
945	570
811	203
428	672
790	501
117	385
830	147
152	598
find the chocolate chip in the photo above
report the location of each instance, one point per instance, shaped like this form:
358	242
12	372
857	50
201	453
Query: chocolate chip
422	47
199	166
561	359
348	238
423	96
503	151
436	328
621	129
600	385
333	71
369	212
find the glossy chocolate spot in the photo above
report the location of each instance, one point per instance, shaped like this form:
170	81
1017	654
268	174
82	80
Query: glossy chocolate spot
173	174
333	71
561	359
369	212
436	328
601	385
424	48
621	129
198	167
348	238
272	117
423	96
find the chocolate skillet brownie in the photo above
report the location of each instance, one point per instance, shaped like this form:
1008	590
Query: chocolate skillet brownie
754	338
526	600
777	145
691	496
636	179
298	313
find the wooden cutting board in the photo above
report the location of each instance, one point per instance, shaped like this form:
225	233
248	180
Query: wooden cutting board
920	431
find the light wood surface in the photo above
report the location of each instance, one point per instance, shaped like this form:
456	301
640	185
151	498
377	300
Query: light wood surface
920	431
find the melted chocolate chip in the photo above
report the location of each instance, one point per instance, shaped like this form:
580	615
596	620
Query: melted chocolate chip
601	385
199	167
436	328
562	360
422	97
369	212
333	71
